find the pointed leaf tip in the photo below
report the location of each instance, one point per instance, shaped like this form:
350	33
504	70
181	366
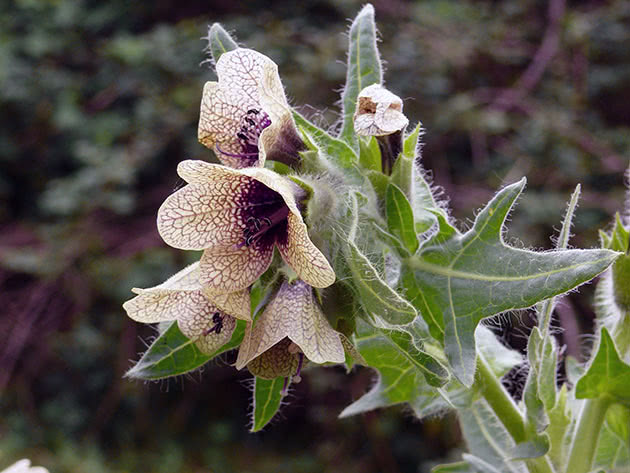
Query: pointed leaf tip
219	41
364	69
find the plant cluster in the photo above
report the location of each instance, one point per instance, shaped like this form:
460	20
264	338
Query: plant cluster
371	269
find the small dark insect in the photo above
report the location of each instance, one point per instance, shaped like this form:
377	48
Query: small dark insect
217	320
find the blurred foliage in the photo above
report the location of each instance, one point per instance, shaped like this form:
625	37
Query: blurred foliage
99	102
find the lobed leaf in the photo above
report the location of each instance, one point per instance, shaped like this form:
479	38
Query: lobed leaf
470	276
267	399
364	68
173	354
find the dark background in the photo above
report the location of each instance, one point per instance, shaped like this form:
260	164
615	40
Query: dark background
99	101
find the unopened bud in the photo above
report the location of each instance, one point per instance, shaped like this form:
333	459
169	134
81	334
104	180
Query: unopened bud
379	112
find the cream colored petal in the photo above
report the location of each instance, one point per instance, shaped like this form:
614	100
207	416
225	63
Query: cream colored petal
237	304
185	280
295	314
195	325
241	71
275	362
303	256
198	217
208	212
244	75
365	125
198	172
230	270
310	331
220	118
272	97
390	120
158	305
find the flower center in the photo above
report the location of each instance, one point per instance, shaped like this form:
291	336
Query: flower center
258	227
252	125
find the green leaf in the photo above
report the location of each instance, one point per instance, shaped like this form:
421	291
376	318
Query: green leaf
172	354
411	142
267	400
337	151
459	467
408	175
475	275
540	387
364	68
541	379
613	446
379	183
487	439
613	452
400	378
479	465
378	299
607	375
619	241
219	41
399	382
370	154
400	217
559	423
433	371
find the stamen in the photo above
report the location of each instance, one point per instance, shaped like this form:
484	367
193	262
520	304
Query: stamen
284	387
257	227
297	378
252	125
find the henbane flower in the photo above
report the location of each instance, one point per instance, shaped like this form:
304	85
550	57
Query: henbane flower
379	112
206	318
245	116
237	216
291	327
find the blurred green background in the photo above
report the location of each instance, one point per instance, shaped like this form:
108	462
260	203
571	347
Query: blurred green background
99	101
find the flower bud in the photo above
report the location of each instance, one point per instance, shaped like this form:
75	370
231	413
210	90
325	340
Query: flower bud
379	114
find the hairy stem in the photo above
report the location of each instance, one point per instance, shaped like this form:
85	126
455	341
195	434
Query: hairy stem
499	399
490	387
584	444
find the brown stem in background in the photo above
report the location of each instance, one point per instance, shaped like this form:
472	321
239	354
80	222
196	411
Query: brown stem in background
545	53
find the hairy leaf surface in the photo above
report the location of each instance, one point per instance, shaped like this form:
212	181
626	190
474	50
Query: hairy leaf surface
267	400
364	68
172	354
474	275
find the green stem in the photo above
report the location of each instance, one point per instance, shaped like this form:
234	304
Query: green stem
499	399
490	387
589	425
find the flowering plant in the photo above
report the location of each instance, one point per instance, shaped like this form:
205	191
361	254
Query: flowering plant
372	270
